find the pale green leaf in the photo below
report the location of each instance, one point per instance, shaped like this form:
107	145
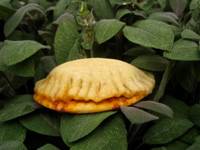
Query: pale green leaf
137	116
156	107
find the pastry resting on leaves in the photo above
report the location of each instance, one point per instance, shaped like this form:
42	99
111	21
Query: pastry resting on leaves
93	85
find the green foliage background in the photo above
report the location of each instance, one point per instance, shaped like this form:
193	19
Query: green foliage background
159	36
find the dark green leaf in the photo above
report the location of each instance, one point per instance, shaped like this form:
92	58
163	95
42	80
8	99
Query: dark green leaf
178	6
190	136
16	107
165	78
60	7
102	8
48	147
42	123
12	145
106	29
65	39
166	130
15	19
109	136
14	52
75	127
177	145
156	107
194	114
147	33
122	12
11	131
165	16
195	145
189	34
184	50
137	116
48	63
150	62
179	107
137	51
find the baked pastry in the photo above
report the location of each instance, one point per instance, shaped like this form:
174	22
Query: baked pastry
93	85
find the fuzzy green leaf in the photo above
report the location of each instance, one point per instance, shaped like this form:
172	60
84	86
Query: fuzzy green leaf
16	107
105	29
147	33
109	136
137	116
14	52
41	123
166	130
15	19
11	131
75	127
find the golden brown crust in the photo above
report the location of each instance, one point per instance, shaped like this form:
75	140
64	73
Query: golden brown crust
81	106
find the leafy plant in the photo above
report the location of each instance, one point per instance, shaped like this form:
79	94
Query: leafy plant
159	36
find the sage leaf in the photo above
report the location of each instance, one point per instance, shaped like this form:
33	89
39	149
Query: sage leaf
11	131
14	52
137	116
150	62
12	145
178	6
16	107
48	147
147	33
41	123
166	130
110	135
184	50
75	127
189	34
156	107
106	29
15	19
65	38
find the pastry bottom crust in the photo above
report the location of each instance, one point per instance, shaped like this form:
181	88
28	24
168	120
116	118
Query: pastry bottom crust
82	107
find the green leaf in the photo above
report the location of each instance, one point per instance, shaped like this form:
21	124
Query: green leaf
12	145
15	19
190	136
195	145
11	131
189	34
194	113
65	39
60	7
177	145
137	116
194	4
150	62
179	107
159	148
147	33
5	9
163	83
165	16
102	8
122	12
184	50
178	6
14	52
16	107
75	127
48	147
109	136
137	51
166	130
42	123
156	107
105	29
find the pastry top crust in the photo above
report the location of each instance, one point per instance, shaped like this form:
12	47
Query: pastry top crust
94	79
